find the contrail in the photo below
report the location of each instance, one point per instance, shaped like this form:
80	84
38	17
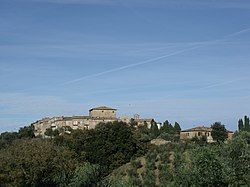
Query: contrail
153	60
223	83
239	32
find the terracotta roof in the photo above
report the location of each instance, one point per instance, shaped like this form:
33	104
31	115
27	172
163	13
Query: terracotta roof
199	128
102	108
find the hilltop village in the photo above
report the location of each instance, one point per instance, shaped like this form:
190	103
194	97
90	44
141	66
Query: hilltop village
104	114
96	115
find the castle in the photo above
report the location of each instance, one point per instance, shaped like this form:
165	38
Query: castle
96	115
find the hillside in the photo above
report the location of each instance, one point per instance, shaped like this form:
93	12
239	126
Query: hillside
189	164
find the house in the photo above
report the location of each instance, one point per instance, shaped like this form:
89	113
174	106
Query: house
103	112
199	132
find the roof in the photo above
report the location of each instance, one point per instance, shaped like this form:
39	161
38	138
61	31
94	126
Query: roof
76	117
102	108
142	120
199	128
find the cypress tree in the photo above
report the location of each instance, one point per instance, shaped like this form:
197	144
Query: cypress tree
247	124
177	128
154	131
240	125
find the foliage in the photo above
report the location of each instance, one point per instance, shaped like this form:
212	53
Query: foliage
109	145
200	140
6	138
219	132
177	128
36	162
166	136
142	142
239	158
154	131
244	126
208	169
240	125
86	175
167	128
51	133
169	132
115	182
188	164
87	157
117	149
26	132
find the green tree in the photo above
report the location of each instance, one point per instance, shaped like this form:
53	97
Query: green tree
154	131
36	162
143	129
6	138
200	140
109	145
219	132
240	125
167	128
246	124
86	175
239	159
207	169
9	136
177	128
26	132
51	132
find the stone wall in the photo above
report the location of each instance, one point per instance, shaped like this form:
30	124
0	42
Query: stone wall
102	113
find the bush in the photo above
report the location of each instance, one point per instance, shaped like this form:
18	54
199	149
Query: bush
86	175
36	162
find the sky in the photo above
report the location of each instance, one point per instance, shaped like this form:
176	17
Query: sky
178	60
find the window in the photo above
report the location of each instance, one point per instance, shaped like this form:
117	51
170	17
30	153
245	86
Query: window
199	133
187	134
102	111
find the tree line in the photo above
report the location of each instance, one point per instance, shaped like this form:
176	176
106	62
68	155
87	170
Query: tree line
88	157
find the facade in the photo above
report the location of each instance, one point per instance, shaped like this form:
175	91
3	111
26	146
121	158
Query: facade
141	122
138	120
199	132
97	115
102	112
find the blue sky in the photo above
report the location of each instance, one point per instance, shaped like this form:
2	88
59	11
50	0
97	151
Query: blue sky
181	60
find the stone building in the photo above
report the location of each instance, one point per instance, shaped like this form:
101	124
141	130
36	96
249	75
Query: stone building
199	132
141	121
136	118
102	112
97	115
